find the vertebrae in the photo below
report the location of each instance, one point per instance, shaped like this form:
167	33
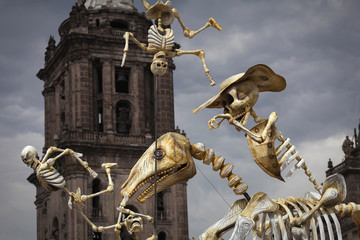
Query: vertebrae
199	152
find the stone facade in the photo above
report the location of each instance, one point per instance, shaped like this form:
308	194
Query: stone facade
106	112
350	169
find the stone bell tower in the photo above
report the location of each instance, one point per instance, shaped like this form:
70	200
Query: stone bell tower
350	169
106	112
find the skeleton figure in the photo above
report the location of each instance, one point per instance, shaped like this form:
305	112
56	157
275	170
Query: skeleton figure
290	218
133	222
52	180
237	96
161	37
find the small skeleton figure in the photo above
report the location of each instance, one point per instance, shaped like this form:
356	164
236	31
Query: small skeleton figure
133	222
52	180
238	95
161	37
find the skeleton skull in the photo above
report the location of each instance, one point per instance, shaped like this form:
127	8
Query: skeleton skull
240	98
29	156
134	224
159	65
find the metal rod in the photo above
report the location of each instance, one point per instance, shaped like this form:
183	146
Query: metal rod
155	155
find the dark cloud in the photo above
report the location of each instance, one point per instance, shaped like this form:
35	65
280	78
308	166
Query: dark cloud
312	43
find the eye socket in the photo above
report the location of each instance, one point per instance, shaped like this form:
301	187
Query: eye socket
159	154
229	99
241	96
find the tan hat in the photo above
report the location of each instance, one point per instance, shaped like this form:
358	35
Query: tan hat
262	75
161	10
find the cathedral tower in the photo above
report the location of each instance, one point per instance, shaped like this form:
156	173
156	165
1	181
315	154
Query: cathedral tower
350	169
106	112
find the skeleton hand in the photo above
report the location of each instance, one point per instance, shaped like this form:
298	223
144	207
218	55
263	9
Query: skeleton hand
76	198
213	124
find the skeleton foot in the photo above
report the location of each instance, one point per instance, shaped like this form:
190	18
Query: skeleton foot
109	165
214	24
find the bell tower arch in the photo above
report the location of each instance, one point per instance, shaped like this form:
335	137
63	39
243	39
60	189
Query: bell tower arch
106	112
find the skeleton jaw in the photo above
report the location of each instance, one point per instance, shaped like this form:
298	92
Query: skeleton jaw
174	166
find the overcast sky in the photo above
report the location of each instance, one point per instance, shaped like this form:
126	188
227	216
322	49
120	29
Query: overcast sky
314	44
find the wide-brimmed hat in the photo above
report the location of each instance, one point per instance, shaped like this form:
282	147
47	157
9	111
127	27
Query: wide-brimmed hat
262	75
161	10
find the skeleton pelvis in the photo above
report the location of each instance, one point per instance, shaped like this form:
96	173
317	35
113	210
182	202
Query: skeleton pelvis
264	154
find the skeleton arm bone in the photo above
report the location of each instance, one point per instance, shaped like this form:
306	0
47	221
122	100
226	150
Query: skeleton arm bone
52	150
130	36
234	122
189	33
257	118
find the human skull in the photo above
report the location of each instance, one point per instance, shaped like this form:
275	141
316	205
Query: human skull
240	98
134	224
29	156
159	64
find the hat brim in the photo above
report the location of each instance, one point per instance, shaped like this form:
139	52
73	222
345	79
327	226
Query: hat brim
262	75
161	10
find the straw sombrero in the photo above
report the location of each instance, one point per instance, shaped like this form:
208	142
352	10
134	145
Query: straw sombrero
161	10
262	75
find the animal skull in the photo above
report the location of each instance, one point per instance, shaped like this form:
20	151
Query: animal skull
174	165
29	156
159	65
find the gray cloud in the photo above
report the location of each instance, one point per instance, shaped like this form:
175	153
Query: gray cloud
313	44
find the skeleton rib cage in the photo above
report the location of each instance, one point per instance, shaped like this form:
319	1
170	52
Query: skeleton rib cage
324	224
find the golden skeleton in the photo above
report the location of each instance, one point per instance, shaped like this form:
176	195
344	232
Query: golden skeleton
238	95
312	217
161	37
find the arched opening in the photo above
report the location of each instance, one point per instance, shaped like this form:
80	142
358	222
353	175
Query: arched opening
123	117
161	214
162	236
55	229
122	76
119	24
96	187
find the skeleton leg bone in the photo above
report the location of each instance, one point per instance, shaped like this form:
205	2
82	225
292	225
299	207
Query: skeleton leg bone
109	189
201	54
189	33
333	193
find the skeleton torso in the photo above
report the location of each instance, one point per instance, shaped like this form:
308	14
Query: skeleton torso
160	41
49	177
